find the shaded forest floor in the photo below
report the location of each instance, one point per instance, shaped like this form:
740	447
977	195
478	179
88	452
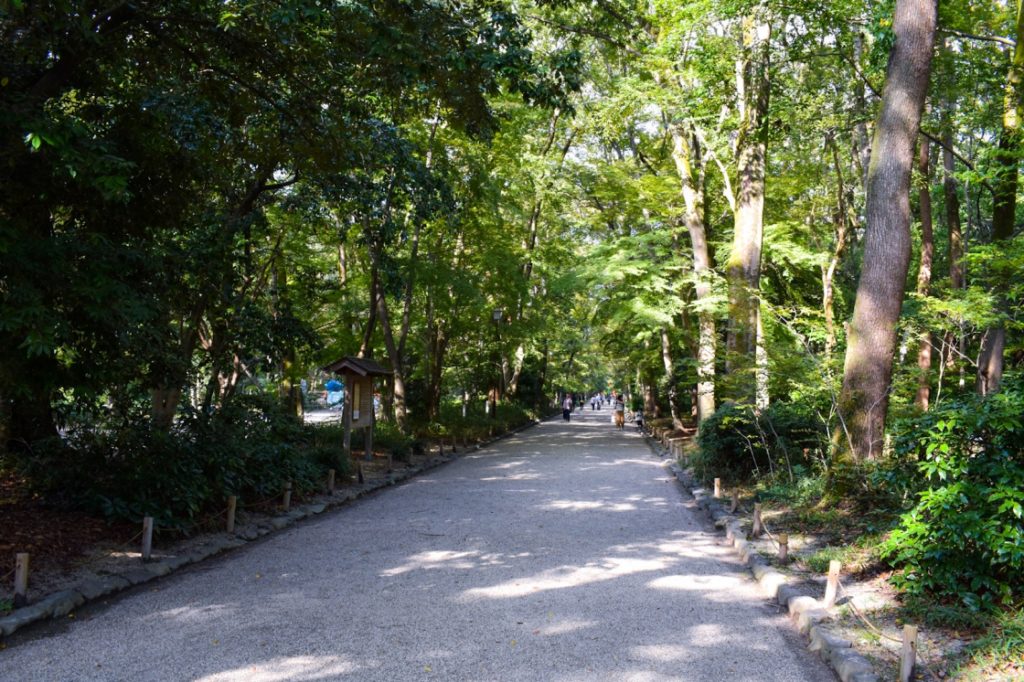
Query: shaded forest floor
66	545
954	642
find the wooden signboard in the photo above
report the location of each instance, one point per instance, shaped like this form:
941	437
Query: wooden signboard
362	400
358	375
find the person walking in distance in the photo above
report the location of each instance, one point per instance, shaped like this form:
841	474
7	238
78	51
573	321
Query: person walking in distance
620	411
567	407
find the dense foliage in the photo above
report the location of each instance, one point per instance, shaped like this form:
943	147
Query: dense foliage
207	202
965	535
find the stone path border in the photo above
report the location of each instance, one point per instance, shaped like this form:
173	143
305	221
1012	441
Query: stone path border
60	604
804	610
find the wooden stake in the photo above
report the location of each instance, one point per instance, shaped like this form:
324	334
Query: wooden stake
330	481
359	473
832	586
783	547
287	496
735	501
756	531
718	488
908	657
20	579
232	506
147	537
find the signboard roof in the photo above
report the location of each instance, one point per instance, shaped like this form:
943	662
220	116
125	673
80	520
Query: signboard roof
363	367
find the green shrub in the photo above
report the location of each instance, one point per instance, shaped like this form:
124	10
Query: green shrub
249	449
387	437
964	540
736	443
476	425
805	488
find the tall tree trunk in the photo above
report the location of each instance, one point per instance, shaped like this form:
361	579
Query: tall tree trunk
843	220
512	374
291	390
744	267
164	399
650	395
686	155
924	273
993	343
397	367
542	376
673	392
955	251
762	397
867	373
861	145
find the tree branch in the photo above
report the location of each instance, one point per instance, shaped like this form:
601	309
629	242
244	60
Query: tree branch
587	32
971	36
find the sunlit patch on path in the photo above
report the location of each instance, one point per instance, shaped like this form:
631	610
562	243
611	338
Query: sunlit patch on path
564	554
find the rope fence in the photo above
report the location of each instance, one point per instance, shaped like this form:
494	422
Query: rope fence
127	543
911	653
771	536
882	635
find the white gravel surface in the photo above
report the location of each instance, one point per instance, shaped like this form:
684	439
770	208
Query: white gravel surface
565	552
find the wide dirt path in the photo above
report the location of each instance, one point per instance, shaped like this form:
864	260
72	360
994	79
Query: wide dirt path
563	553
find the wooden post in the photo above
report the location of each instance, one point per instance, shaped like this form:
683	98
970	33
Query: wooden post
718	488
346	420
330	481
147	537
783	547
287	496
440	447
20	579
756	531
368	437
232	506
908	657
359	473
832	586
735	501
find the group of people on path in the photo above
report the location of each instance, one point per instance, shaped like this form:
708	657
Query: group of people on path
617	402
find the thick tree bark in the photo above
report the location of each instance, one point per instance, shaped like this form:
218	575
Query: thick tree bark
867	374
744	267
685	154
924	273
993	343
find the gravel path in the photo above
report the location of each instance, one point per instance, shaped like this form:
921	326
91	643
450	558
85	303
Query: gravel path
565	552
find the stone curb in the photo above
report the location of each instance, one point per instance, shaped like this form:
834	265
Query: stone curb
60	604
805	611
